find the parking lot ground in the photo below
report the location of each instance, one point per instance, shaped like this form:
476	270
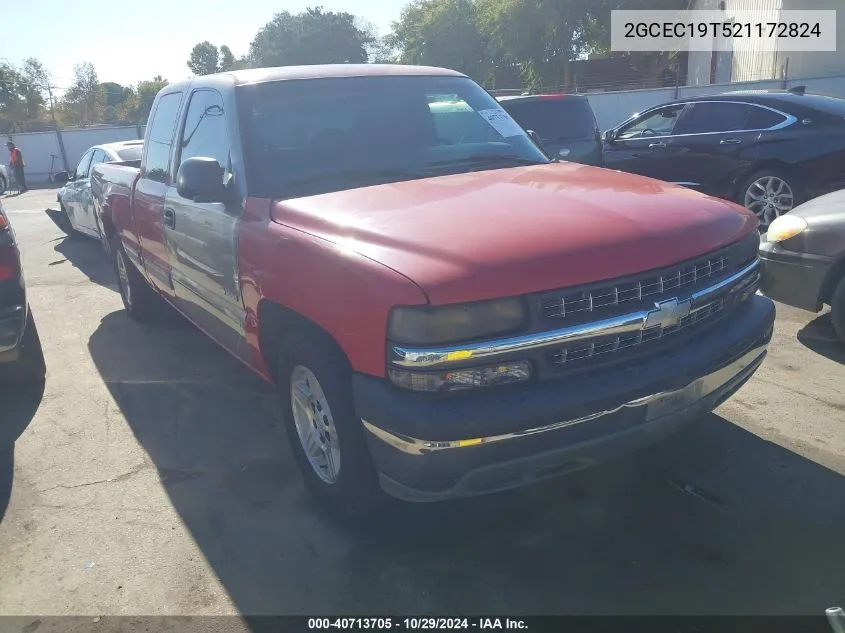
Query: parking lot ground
152	476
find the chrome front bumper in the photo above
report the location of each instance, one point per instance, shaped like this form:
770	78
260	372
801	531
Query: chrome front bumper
653	407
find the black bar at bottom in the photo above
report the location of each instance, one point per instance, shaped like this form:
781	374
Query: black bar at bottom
403	624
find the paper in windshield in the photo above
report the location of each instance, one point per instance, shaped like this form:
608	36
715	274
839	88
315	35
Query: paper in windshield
502	122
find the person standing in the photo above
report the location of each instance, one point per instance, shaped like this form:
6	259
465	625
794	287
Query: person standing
17	165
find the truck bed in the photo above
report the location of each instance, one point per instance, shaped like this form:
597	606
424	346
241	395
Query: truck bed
111	188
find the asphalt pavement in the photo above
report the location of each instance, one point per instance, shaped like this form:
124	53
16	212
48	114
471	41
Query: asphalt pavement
152	476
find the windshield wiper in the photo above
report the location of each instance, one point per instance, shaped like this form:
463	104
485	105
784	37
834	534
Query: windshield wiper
346	175
491	158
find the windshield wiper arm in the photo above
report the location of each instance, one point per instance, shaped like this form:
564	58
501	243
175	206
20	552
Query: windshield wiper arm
491	158
352	174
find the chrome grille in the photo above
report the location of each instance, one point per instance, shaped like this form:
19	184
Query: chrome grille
568	355
689	275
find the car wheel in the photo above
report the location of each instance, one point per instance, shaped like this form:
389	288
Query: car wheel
837	309
3	185
769	194
30	366
326	437
64	222
141	302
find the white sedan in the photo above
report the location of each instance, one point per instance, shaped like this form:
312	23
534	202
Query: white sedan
75	199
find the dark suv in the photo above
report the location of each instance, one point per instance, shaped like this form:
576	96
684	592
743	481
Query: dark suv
21	359
566	125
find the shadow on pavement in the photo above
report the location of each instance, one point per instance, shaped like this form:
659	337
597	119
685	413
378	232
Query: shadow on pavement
18	404
88	256
819	336
715	521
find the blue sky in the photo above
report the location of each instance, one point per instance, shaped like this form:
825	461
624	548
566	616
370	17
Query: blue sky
131	41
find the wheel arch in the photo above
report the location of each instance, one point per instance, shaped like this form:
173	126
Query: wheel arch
763	165
831	279
277	323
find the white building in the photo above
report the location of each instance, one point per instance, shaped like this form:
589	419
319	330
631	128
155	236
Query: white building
763	60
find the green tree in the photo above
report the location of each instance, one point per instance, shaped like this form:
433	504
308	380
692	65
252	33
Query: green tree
12	105
35	82
115	96
146	92
313	36
227	60
204	59
541	37
442	33
85	101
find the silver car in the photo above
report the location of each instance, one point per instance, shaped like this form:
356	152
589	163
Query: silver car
803	258
75	199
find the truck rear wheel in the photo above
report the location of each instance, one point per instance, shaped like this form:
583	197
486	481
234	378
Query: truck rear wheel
326	437
141	302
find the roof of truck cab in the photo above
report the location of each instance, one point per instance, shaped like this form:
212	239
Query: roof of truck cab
316	71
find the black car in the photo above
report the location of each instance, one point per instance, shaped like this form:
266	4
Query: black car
565	124
21	359
768	151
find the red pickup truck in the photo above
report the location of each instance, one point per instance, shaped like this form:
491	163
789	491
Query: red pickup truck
444	311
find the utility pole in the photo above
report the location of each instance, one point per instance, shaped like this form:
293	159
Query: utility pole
56	128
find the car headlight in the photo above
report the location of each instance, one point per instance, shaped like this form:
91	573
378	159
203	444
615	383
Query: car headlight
785	227
461	379
429	325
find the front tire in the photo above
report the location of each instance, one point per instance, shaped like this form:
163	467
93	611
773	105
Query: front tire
326	436
837	309
768	194
3	185
142	303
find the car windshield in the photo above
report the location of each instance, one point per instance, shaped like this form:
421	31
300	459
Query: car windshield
554	119
306	137
132	152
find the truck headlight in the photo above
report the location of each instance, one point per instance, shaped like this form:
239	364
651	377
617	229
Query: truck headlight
427	325
460	379
785	227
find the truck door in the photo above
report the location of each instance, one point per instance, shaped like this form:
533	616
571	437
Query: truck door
201	238
150	191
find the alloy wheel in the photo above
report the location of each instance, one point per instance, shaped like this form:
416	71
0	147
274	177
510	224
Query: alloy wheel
769	197
314	423
123	278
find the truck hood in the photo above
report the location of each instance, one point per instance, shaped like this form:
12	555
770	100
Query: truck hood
508	232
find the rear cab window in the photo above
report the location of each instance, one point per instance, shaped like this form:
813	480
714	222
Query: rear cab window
554	118
160	137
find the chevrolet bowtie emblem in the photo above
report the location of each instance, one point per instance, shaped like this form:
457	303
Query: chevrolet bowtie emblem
668	313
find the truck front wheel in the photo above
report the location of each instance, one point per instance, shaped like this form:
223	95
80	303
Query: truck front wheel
326	437
141	302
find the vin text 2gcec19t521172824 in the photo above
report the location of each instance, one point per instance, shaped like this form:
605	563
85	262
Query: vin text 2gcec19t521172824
443	314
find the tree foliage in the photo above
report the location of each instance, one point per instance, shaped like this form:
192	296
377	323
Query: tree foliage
313	36
442	33
84	102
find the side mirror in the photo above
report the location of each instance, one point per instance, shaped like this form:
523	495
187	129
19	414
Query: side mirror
201	179
610	136
62	177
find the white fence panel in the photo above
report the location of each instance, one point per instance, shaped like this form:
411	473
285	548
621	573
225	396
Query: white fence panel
78	141
40	148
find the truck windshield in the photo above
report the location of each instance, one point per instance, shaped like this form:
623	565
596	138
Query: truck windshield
306	137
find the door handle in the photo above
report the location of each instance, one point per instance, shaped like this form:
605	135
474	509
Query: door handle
730	141
169	216
659	145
